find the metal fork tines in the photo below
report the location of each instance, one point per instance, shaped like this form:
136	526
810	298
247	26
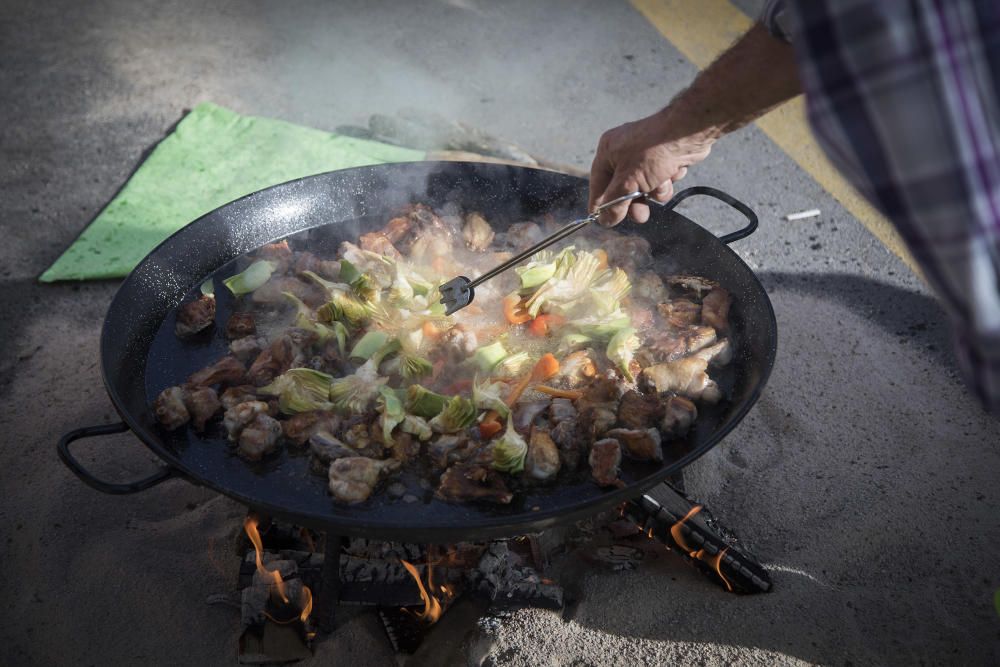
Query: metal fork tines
458	292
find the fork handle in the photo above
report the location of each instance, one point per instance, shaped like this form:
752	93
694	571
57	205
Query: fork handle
559	235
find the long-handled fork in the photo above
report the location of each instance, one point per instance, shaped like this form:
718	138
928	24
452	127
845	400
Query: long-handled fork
459	292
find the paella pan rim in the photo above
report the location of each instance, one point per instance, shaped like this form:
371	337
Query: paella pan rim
430	528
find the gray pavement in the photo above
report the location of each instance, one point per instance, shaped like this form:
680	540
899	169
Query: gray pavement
865	477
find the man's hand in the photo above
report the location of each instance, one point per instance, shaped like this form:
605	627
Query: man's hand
649	155
636	156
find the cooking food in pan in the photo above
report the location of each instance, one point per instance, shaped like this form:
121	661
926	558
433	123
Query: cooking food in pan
559	369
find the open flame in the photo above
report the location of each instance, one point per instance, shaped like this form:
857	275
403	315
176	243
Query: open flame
435	598
305	602
715	562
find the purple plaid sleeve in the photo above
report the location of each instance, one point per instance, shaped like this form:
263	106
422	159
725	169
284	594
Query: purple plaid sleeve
904	97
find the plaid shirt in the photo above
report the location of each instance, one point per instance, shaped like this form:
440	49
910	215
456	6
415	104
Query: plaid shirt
904	97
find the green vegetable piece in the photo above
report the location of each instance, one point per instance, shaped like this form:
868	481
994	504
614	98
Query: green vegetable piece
458	414
208	287
250	279
348	272
412	366
513	365
486	396
353	393
621	349
510	450
533	276
300	390
417	426
602	327
369	344
391	411
424	402
486	358
572	341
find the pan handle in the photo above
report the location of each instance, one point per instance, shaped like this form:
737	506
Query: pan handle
162	475
721	196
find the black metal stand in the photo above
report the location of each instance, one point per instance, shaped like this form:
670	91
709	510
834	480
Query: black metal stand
329	593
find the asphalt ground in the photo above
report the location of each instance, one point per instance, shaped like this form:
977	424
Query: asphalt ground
865	477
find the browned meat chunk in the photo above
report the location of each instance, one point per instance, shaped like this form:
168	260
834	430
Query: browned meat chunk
680	313
358	437
379	243
195	316
404	447
299	427
202	403
170	409
715	309
287	350
233	396
641	444
325	268
240	324
259	438
396	229
563	417
594	422
542	460
278	253
674	344
455	345
229	370
248	347
638	410
678	416
466	482
527	412
685	376
238	416
605	457
692	285
477	233
441	449
324	448
603	392
523	235
353	479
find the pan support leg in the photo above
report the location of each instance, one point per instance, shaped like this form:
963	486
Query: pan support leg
329	594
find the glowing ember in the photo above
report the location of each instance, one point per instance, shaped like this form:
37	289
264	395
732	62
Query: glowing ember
305	599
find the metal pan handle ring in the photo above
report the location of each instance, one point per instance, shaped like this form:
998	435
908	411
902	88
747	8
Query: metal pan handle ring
723	197
162	475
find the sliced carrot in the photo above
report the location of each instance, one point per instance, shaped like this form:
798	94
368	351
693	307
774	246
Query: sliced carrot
541	325
513	310
488	429
602	259
571	394
431	331
544	368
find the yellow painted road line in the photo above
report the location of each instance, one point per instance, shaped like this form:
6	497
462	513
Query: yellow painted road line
702	30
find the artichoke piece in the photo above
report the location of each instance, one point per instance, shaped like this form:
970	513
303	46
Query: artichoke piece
510	450
487	357
250	279
344	304
621	349
391	411
353	393
458	414
306	319
369	344
300	390
424	402
513	365
486	396
417	426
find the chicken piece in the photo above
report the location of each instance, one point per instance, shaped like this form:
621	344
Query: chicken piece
641	444
679	414
325	268
605	459
526	412
455	345
576	369
381	271
298	428
542	460
629	252
719	354
715	309
202	403
287	350
272	292
603	392
233	396
692	284
358	437
239	416
477	233
353	479
396	229
680	313
279	253
563	417
378	243
674	344
650	287
638	410
228	370
469	482
441	448
195	316
594	422
561	409
260	437
523	235
430	245
240	324
404	447
685	376
248	347
170	409
324	448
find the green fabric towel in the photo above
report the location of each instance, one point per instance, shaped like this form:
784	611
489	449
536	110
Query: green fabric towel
212	157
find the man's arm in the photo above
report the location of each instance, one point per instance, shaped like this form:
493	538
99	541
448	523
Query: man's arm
756	74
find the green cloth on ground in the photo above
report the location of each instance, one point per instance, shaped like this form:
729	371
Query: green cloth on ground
212	157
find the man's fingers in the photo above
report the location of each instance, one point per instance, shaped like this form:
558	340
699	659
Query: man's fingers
681	173
639	212
663	192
